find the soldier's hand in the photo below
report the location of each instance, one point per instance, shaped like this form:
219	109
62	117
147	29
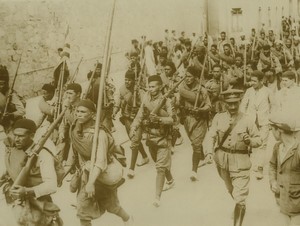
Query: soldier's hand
246	138
154	118
132	132
275	187
90	189
209	158
18	191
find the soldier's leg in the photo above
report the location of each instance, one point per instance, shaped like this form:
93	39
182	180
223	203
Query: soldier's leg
160	181
225	175
135	142
240	182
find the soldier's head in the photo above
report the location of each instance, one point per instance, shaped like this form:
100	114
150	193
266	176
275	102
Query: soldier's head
163	58
85	111
191	75
129	79
23	133
4	79
296	40
256	79
227	49
232	99
154	85
288	43
188	45
73	92
135	43
293	32
266	50
286	34
214	48
288	79
48	91
169	69
239	59
223	35
284	125
133	57
269	74
232	41
217	71
278	45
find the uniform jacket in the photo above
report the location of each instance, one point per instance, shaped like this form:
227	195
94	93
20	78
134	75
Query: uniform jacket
287	175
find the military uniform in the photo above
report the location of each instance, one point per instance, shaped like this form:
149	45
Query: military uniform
232	155
128	113
159	135
269	61
195	120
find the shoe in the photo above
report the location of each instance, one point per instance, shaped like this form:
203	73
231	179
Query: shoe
179	141
194	176
130	174
129	222
156	203
169	185
259	174
144	161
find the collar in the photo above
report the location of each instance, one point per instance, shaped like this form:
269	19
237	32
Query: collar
152	98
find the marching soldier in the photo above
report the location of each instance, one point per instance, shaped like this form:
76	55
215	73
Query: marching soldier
93	197
226	57
194	117
32	203
236	73
157	123
231	135
125	102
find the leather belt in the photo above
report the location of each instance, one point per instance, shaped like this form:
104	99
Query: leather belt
234	151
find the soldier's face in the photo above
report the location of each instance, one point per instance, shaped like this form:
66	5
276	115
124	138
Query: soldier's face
276	133
154	88
133	58
278	47
22	138
189	79
47	95
83	114
217	73
255	83
213	50
288	43
266	52
168	71
238	61
71	96
233	107
286	82
162	60
226	50
223	36
128	83
2	85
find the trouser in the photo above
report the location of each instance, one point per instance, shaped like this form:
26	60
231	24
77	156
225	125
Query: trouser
196	130
291	220
138	147
237	184
259	154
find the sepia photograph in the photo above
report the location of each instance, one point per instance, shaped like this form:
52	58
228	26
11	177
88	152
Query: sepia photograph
150	113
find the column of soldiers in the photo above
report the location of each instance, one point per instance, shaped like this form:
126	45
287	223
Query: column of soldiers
222	94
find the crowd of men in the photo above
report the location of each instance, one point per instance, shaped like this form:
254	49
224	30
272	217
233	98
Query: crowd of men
228	95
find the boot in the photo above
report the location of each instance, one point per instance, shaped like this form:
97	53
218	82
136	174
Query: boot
239	213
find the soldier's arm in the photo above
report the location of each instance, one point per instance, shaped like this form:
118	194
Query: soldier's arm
118	103
20	109
259	65
244	102
206	101
255	138
188	95
273	166
168	120
46	108
48	173
138	118
210	137
278	67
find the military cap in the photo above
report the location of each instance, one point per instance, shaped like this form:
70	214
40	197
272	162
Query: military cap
193	70
88	104
288	74
153	78
130	75
25	124
286	121
3	73
134	41
232	95
48	87
75	87
266	47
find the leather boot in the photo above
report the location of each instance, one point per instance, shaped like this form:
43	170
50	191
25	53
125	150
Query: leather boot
239	213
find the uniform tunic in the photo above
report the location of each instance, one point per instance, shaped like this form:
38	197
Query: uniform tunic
234	168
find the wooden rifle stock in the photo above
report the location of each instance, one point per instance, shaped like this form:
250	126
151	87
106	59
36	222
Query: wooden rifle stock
165	96
200	81
23	175
11	90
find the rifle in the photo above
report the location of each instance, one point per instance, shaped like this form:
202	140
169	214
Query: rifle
101	88
59	90
24	174
253	46
245	65
200	80
76	71
165	96
84	96
11	90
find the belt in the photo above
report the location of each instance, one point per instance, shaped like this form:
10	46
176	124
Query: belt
234	151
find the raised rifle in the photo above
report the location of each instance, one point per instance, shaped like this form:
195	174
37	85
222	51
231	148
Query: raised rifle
162	101
200	81
253	46
11	90
76	71
245	65
84	96
24	174
59	91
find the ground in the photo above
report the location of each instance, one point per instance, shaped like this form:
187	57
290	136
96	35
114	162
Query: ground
201	203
